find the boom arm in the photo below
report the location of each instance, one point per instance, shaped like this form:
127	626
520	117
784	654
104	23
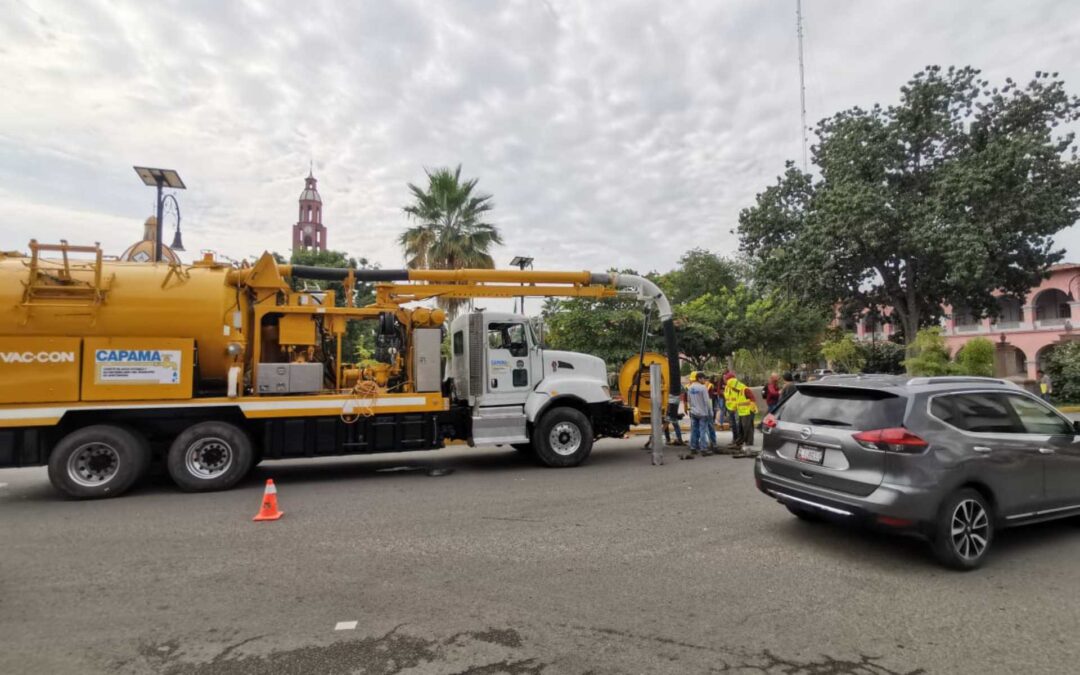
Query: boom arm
483	283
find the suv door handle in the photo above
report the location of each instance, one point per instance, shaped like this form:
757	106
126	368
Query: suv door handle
1046	451
982	448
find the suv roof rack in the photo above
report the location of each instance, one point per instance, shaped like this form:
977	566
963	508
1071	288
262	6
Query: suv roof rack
960	379
857	376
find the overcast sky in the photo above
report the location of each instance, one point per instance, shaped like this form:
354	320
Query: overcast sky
611	134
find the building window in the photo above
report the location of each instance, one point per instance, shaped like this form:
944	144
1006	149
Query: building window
1053	306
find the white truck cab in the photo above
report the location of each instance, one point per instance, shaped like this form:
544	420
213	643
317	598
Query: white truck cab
548	402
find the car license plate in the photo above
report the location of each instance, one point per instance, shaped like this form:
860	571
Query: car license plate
807	453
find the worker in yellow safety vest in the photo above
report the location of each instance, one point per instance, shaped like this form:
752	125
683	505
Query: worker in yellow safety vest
731	402
745	408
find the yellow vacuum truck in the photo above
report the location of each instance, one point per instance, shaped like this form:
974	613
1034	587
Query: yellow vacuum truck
211	367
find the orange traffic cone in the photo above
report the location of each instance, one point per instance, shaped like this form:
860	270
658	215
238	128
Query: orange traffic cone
269	510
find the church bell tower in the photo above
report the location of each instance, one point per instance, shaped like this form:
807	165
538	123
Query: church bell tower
309	232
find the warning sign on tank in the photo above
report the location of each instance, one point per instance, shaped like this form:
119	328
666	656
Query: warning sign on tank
137	366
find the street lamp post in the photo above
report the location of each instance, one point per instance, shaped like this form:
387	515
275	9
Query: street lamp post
521	262
177	242
161	178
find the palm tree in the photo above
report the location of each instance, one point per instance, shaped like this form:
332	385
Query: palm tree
449	233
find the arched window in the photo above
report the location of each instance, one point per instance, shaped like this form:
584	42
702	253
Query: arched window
1052	307
1040	356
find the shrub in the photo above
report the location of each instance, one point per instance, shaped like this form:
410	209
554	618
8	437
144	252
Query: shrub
843	354
928	354
976	358
1062	364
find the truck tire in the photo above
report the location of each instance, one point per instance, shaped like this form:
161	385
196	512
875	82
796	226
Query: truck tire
210	456
563	437
102	460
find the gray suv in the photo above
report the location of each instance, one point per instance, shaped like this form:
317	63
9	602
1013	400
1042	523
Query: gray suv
953	459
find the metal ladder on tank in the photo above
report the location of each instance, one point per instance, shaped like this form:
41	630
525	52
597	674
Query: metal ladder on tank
52	283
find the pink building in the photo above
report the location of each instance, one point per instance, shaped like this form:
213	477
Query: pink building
1024	333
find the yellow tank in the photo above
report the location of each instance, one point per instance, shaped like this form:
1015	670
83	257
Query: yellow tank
122	299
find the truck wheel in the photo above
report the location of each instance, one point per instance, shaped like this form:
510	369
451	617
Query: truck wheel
210	456
563	438
98	461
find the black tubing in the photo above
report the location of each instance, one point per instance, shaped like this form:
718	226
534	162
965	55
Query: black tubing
671	345
339	274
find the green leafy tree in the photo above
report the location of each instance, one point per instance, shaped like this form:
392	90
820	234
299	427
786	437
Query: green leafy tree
976	358
882	357
753	366
844	354
1062	364
609	328
928	354
715	315
718	324
450	232
699	272
950	194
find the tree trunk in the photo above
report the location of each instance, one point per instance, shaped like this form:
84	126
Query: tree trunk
911	329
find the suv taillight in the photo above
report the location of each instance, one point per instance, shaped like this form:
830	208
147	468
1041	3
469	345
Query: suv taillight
895	439
769	422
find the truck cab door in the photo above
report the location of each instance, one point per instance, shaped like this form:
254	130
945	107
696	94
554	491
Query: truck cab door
508	364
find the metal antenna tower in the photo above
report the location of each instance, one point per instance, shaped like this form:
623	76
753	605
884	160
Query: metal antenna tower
802	83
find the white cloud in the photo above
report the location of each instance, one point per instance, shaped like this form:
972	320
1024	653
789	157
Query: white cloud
611	134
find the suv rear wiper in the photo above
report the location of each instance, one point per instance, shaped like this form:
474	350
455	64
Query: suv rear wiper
827	422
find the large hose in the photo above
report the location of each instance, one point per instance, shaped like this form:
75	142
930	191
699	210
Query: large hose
648	291
340	273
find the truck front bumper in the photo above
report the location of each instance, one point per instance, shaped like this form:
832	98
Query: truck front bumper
611	419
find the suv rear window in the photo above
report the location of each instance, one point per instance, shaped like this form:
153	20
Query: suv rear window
848	408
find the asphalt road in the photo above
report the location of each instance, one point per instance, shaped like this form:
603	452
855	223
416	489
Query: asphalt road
504	567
